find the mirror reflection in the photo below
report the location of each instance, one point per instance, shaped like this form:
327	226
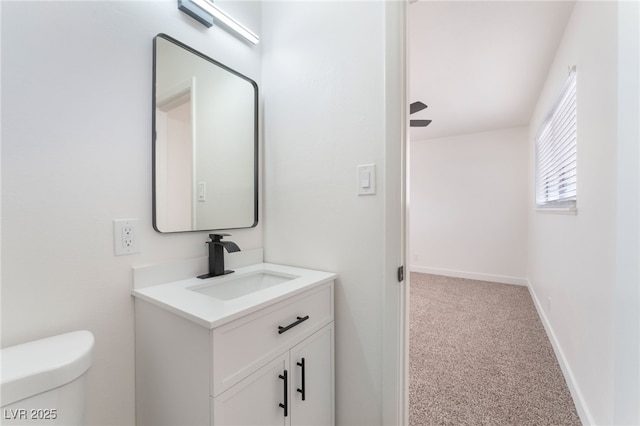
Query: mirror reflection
205	147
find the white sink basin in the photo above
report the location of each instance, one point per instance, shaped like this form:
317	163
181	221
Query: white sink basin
232	287
213	302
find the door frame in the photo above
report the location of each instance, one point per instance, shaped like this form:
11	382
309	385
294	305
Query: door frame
395	338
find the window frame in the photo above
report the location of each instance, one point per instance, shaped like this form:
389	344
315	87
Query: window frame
556	153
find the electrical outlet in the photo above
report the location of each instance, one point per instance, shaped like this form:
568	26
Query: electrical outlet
127	236
126	239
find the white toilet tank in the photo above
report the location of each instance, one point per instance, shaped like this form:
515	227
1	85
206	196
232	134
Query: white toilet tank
44	382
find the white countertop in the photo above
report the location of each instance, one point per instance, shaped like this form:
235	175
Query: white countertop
210	312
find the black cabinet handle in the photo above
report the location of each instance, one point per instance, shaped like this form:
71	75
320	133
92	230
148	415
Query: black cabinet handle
284	377
282	329
301	365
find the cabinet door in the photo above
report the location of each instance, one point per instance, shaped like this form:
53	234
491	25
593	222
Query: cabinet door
312	366
256	399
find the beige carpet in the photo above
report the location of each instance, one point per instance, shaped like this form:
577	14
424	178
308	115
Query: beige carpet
480	356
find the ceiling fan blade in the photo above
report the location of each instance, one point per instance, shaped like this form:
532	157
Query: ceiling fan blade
416	106
419	123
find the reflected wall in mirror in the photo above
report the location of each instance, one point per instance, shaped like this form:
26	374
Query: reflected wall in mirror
205	144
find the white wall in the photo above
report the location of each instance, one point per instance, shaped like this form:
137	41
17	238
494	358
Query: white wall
469	205
76	154
572	259
627	334
324	80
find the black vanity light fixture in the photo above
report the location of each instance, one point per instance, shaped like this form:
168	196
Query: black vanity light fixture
204	11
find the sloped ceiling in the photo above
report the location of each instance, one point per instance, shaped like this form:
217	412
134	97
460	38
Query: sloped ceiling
480	65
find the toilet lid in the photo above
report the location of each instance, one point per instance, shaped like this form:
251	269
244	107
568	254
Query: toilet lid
35	367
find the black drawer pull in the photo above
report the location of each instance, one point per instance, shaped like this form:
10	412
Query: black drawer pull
282	329
284	377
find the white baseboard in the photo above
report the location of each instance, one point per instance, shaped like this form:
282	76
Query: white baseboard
574	389
502	279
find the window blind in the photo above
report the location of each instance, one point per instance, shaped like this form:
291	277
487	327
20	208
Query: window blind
556	151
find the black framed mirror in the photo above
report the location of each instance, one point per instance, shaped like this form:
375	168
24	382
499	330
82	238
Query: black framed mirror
205	142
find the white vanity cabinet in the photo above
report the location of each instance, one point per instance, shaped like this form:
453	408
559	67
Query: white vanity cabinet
296	388
271	366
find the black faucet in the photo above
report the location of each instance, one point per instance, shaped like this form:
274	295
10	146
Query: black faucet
216	255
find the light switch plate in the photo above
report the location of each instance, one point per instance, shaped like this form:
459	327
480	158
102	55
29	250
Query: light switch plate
202	191
366	179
